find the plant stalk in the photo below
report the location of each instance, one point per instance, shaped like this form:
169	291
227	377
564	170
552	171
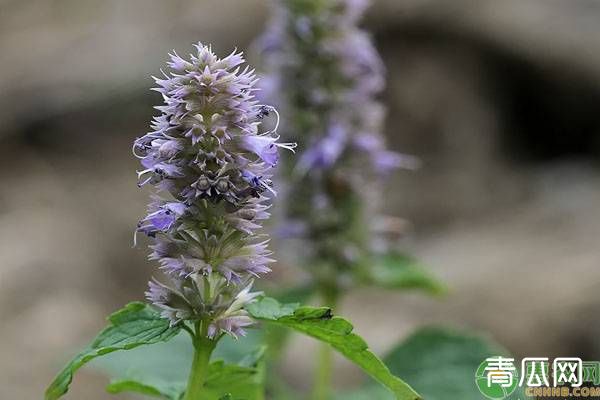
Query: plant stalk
203	348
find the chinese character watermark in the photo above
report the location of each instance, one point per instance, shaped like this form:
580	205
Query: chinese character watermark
568	370
535	369
500	371
498	377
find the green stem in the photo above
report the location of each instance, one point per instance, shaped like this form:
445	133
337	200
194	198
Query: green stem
203	348
324	368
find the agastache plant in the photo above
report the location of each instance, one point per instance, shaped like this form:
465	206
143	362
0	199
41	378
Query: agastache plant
211	162
206	156
324	74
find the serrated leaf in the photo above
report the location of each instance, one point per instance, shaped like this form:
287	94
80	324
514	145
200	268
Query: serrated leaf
400	271
319	323
441	363
135	325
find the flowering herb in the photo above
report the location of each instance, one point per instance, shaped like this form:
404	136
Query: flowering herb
324	74
211	167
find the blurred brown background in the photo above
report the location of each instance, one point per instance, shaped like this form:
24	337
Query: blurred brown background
499	98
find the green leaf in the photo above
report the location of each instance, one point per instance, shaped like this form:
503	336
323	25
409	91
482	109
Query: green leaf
277	336
135	325
399	271
253	358
143	373
441	363
228	379
270	309
170	362
167	361
319	323
235	380
156	389
238	381
235	351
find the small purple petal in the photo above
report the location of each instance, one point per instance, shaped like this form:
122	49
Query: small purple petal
326	152
386	161
262	146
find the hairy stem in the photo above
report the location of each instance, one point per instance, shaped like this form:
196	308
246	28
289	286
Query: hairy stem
324	360
203	348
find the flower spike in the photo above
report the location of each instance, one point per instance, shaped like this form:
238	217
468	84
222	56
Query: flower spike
212	168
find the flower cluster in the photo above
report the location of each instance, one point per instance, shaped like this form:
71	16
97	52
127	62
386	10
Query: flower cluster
324	74
211	169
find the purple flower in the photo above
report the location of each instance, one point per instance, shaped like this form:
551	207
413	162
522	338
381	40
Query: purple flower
292	228
234	319
325	75
161	218
368	142
326	151
303	27
386	161
264	146
212	171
